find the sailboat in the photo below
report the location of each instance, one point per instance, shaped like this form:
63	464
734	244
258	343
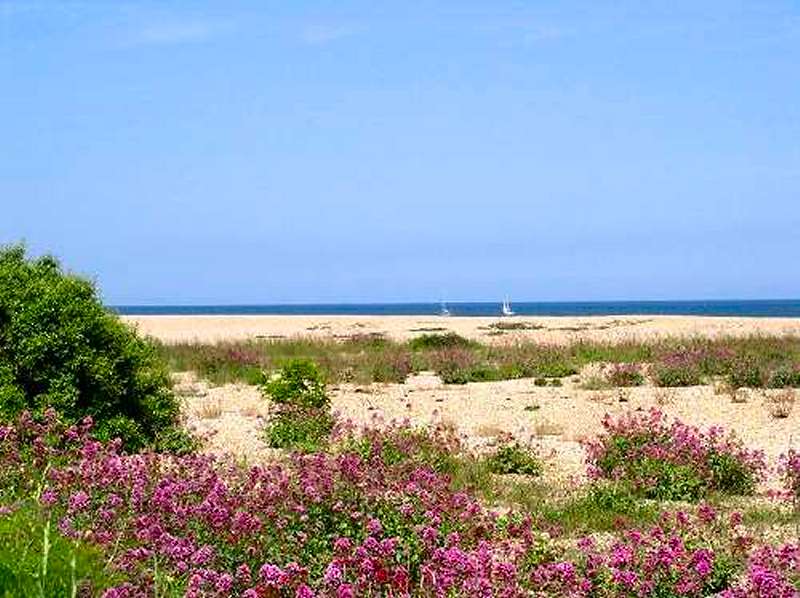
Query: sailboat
444	312
506	308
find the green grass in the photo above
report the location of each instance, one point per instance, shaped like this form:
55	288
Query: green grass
36	560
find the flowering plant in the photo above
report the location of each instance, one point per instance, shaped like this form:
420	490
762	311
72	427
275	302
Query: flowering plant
672	461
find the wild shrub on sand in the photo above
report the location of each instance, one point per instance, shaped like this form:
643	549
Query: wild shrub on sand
300	416
439	341
677	369
514	458
746	372
785	377
625	374
672	461
391	365
456	365
60	349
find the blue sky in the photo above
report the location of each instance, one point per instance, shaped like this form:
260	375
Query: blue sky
270	152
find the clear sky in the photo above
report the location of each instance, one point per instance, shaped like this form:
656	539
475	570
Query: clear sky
270	152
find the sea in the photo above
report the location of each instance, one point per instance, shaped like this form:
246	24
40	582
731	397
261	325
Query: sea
757	308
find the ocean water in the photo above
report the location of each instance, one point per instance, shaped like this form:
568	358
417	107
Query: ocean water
760	308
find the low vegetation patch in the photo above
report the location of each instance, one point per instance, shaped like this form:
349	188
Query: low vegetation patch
363	359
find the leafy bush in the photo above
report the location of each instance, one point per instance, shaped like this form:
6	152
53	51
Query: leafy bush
549	367
60	348
672	461
514	458
305	431
454	365
676	369
300	415
299	383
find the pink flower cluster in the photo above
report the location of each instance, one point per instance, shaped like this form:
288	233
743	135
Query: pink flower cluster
371	518
326	524
678	557
790	468
635	439
772	572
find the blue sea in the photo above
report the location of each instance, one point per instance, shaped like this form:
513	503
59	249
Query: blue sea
759	308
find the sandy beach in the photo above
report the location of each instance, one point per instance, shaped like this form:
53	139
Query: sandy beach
555	420
560	329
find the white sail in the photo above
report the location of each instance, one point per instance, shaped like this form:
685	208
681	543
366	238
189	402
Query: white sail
506	308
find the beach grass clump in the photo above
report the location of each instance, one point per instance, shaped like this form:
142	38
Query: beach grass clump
459	365
300	418
61	349
672	461
599	507
36	560
746	372
392	365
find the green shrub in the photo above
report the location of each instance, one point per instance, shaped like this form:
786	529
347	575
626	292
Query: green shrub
304	431
299	383
785	377
60	348
681	375
514	458
672	461
549	368
300	416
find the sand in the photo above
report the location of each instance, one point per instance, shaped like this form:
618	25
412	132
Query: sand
552	419
543	329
